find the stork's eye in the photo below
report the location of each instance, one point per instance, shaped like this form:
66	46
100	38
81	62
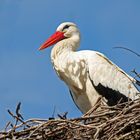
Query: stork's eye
66	27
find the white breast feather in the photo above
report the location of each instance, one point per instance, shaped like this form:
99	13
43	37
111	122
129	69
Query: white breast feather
71	69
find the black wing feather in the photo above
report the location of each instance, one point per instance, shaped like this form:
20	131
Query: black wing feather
112	96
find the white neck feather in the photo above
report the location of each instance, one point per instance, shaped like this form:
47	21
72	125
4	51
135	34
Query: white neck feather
65	46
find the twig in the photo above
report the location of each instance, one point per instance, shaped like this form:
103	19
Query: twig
14	116
127	50
17	111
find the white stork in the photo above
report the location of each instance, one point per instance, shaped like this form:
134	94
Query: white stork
88	74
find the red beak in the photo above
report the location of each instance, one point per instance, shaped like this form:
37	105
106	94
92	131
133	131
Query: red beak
57	36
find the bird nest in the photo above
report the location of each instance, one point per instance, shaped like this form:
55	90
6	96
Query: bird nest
101	122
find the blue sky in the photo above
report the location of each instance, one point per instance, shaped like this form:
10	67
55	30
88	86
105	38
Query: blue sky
26	74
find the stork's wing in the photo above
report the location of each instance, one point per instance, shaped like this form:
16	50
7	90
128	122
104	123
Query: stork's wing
109	80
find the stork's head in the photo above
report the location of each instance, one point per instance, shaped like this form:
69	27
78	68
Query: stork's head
66	30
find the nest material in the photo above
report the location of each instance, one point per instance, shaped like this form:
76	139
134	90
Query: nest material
101	122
